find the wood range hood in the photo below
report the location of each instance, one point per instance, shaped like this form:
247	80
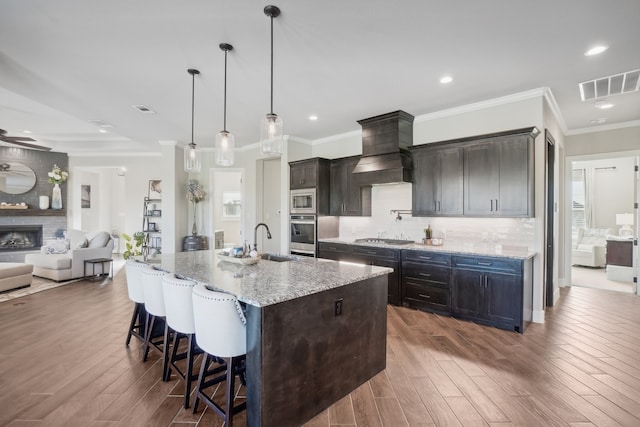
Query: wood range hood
385	149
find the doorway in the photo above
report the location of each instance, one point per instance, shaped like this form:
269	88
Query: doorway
227	206
602	188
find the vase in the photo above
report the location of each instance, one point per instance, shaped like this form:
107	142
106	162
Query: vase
44	202
194	229
56	197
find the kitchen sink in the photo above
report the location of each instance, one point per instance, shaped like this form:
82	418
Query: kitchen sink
384	241
279	257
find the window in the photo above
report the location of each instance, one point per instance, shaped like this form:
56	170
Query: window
578	213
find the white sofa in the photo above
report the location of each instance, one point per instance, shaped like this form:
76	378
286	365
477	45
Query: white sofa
63	259
590	248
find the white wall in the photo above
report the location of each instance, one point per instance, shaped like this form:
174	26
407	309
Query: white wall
613	188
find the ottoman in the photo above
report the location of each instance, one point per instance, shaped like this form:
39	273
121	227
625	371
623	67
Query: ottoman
15	275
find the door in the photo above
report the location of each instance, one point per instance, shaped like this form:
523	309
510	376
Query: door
481	179
467	293
501	296
549	218
271	207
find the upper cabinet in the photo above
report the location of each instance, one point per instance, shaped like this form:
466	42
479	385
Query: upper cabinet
488	175
498	177
312	173
438	181
348	198
304	173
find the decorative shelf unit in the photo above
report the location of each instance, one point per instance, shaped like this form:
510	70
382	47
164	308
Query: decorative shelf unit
151	217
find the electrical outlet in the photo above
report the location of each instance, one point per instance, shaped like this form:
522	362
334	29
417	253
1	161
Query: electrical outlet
337	311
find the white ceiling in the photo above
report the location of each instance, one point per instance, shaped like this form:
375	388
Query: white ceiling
65	62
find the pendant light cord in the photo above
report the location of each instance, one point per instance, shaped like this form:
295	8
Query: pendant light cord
224	120
193	95
272	64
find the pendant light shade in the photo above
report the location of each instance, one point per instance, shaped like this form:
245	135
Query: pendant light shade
225	142
191	155
271	125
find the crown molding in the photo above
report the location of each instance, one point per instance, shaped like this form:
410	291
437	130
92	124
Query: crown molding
603	128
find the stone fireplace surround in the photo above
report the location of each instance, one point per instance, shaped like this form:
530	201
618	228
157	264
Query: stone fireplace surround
20	237
52	227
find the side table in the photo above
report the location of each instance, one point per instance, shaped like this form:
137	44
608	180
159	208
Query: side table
102	262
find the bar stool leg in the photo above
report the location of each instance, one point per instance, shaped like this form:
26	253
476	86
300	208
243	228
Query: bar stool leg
134	327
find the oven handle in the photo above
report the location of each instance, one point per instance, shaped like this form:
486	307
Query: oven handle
302	222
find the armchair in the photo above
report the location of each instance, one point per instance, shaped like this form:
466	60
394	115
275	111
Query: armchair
590	248
64	259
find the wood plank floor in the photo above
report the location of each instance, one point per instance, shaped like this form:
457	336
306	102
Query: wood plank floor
63	362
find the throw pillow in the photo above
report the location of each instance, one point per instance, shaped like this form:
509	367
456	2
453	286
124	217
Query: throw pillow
59	246
100	240
83	244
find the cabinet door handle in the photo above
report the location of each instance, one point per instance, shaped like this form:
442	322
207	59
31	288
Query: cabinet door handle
424	274
496	204
424	296
491	205
424	257
371	252
487	264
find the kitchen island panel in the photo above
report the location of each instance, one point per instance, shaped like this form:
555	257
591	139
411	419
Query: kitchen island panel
302	357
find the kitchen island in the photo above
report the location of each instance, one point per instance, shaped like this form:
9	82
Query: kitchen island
316	329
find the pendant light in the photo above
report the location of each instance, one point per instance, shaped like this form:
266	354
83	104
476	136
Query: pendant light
191	156
271	125
225	142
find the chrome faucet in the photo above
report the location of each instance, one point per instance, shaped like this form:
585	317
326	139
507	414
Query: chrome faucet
255	235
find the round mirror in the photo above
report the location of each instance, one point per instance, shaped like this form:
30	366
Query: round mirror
16	178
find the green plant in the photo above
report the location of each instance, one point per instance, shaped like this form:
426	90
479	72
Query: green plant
133	244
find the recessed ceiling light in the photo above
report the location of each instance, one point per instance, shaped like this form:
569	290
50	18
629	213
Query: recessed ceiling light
27	131
597	121
603	105
313	117
101	123
596	50
102	131
446	79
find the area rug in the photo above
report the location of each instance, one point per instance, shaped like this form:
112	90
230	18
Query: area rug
37	285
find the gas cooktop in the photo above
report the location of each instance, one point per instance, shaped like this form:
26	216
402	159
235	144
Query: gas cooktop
384	241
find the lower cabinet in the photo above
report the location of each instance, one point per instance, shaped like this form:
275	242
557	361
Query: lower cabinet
492	291
382	257
426	281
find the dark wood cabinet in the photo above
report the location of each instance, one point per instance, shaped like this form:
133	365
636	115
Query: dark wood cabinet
438	181
308	173
382	257
425	281
492	291
620	252
498	177
312	173
347	197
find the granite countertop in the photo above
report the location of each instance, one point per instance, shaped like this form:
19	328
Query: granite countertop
267	282
478	248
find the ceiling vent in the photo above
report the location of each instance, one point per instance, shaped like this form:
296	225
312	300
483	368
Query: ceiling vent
143	109
608	86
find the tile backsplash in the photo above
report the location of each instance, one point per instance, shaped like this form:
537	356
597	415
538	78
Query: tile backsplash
383	223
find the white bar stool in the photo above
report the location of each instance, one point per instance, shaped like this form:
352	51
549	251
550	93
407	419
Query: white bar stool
221	332
133	270
156	312
179	312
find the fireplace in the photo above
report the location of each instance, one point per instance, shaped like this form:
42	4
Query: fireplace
20	237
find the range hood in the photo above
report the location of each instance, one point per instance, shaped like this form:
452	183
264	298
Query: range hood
385	149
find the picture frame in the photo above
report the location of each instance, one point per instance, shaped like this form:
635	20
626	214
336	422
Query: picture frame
151	226
85	196
155	189
156	212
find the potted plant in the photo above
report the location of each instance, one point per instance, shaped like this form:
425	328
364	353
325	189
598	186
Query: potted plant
133	244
